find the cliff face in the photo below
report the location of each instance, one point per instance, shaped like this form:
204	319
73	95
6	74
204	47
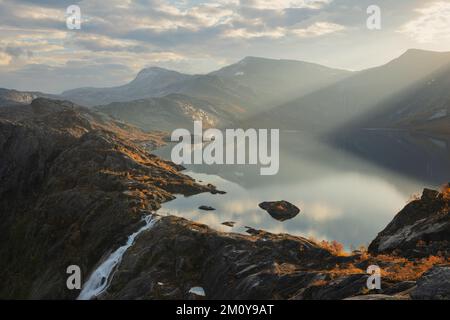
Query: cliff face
72	188
75	184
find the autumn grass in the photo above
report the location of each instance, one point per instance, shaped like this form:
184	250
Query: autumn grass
401	269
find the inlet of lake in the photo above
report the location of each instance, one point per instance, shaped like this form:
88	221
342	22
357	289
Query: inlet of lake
348	189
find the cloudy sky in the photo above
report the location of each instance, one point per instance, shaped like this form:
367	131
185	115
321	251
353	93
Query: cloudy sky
118	38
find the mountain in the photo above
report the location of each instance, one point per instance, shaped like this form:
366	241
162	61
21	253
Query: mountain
279	81
149	82
424	106
217	90
13	97
252	85
335	106
171	112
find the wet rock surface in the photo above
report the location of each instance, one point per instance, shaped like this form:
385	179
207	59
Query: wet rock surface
280	210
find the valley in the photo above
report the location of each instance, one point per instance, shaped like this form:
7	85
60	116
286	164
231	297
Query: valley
87	178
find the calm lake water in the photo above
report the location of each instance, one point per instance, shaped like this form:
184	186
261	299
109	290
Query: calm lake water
347	191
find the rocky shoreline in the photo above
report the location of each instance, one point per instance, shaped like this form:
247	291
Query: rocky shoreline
178	254
75	184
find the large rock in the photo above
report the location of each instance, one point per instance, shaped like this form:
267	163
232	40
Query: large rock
337	289
421	229
433	285
280	210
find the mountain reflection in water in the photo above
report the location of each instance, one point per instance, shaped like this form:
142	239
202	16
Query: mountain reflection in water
347	189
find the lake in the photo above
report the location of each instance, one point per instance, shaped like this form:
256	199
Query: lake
348	189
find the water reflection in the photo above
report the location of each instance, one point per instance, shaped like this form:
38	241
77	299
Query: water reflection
342	197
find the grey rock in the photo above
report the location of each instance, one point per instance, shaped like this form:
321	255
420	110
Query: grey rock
206	208
421	229
280	210
433	285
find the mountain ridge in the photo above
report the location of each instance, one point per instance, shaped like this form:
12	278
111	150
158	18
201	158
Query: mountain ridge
217	85
336	105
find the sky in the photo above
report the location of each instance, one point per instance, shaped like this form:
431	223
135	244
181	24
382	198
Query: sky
118	38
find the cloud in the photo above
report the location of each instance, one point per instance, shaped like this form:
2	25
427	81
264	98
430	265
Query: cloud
54	79
197	36
5	59
284	4
244	33
318	29
321	212
432	24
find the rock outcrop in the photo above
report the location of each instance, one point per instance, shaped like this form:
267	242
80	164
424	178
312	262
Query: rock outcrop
177	255
433	285
73	186
421	229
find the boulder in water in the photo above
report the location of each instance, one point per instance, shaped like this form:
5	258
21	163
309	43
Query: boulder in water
280	210
206	208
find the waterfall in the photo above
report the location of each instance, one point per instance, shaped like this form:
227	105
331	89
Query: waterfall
100	279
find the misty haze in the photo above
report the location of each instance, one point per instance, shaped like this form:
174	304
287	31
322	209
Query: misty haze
88	177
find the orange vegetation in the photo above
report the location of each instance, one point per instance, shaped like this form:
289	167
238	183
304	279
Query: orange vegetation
446	191
401	269
334	247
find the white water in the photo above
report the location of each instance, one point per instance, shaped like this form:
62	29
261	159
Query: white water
100	279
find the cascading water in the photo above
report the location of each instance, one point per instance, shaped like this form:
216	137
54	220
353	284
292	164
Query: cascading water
100	279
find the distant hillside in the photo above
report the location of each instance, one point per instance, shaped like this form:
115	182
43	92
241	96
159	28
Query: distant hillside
13	97
253	84
149	82
352	98
170	112
424	106
279	81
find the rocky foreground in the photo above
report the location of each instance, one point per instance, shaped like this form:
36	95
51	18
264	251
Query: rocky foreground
75	184
177	254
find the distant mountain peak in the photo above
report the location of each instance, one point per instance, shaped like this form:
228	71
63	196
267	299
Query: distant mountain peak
254	58
151	72
417	53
